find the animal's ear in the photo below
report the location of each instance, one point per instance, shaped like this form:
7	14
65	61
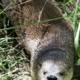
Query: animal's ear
39	65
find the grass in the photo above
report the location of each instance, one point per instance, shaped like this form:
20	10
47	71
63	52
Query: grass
12	58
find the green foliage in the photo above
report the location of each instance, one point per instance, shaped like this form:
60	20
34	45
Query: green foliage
78	62
72	9
10	56
6	77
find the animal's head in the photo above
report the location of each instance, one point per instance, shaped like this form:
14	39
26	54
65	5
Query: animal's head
52	65
54	71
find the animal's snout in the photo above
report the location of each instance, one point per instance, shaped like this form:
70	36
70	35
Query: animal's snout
51	78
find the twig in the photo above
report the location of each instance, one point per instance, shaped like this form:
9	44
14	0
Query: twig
40	13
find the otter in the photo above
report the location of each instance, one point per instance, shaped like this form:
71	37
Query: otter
48	38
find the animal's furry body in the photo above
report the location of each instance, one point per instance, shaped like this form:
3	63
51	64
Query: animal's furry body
57	40
50	44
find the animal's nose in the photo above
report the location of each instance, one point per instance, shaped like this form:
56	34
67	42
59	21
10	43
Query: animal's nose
51	78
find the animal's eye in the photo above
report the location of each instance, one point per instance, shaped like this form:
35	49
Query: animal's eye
62	73
44	72
39	65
